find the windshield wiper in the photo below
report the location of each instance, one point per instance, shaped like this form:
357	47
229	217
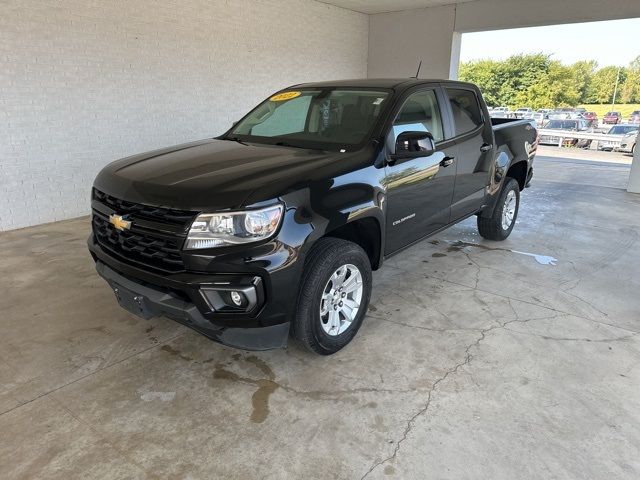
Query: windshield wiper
235	139
286	144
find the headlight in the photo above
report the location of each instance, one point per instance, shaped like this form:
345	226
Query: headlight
233	228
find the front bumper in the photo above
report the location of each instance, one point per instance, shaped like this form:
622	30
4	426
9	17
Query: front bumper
625	148
148	302
185	296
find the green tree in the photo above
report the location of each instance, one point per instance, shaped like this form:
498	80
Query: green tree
519	72
630	90
583	73
558	87
482	73
500	81
603	84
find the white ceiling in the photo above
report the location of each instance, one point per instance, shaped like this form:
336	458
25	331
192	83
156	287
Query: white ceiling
381	6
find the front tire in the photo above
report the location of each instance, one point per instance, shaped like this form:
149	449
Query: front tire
499	225
334	296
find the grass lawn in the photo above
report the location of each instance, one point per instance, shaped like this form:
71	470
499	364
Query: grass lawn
601	110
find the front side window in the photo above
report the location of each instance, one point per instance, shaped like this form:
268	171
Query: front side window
420	113
314	118
465	109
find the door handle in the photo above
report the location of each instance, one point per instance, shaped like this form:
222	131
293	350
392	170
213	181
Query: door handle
447	161
485	147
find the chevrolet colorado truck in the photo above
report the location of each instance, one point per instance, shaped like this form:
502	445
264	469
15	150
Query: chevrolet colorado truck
273	228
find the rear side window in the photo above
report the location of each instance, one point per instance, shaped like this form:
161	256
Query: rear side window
465	109
420	113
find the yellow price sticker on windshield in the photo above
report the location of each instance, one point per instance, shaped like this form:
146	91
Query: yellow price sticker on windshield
280	97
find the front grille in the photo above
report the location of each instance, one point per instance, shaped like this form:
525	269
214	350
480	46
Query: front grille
139	210
154	240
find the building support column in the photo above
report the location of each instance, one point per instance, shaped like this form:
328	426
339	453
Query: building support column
634	176
456	43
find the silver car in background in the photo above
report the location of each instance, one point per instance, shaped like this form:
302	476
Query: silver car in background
628	143
617	130
566	125
501	112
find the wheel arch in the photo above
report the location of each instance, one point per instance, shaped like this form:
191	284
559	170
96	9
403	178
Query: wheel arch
366	232
519	171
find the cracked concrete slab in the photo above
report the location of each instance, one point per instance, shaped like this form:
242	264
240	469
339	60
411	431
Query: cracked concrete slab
474	362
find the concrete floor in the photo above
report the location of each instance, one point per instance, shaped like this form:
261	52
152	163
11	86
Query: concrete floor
476	362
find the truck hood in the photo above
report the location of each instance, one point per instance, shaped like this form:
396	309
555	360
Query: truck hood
219	174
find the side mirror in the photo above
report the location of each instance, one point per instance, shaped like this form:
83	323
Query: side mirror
413	144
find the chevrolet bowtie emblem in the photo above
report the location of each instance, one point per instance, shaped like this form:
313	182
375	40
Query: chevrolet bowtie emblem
119	223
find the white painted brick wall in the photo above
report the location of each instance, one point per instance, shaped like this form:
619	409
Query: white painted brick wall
85	82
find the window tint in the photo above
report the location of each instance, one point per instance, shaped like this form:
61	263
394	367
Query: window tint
465	109
289	118
420	113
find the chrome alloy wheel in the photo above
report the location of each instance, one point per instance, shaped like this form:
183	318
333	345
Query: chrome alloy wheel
341	299
509	210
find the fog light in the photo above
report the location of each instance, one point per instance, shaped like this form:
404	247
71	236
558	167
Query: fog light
236	297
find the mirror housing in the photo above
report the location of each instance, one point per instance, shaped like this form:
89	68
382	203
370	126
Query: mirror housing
413	144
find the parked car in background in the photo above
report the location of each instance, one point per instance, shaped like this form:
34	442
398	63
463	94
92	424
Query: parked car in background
612	118
628	143
591	117
617	130
563	114
634	117
539	118
523	113
500	112
569	125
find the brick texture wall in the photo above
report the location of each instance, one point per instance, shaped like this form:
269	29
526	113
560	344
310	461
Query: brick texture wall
85	82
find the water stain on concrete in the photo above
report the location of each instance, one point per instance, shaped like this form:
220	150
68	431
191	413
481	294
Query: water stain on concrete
389	470
438	255
266	386
541	259
260	400
177	353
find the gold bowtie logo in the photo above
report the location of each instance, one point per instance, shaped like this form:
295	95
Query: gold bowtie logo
119	223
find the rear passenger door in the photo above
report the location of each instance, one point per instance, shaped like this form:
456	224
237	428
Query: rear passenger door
473	136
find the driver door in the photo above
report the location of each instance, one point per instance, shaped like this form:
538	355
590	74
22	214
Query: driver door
419	190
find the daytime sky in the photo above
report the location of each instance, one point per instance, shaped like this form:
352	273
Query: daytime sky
615	42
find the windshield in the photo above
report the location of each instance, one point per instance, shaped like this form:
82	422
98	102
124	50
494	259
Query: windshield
622	129
562	124
315	118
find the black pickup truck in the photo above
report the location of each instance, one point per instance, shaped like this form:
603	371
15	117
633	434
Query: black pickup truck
274	227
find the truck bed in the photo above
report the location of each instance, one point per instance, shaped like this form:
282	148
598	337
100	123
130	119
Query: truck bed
516	137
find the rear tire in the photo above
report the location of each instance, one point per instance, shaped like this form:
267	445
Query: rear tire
334	296
500	224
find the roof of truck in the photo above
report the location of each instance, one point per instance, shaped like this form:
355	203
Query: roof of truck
373	83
